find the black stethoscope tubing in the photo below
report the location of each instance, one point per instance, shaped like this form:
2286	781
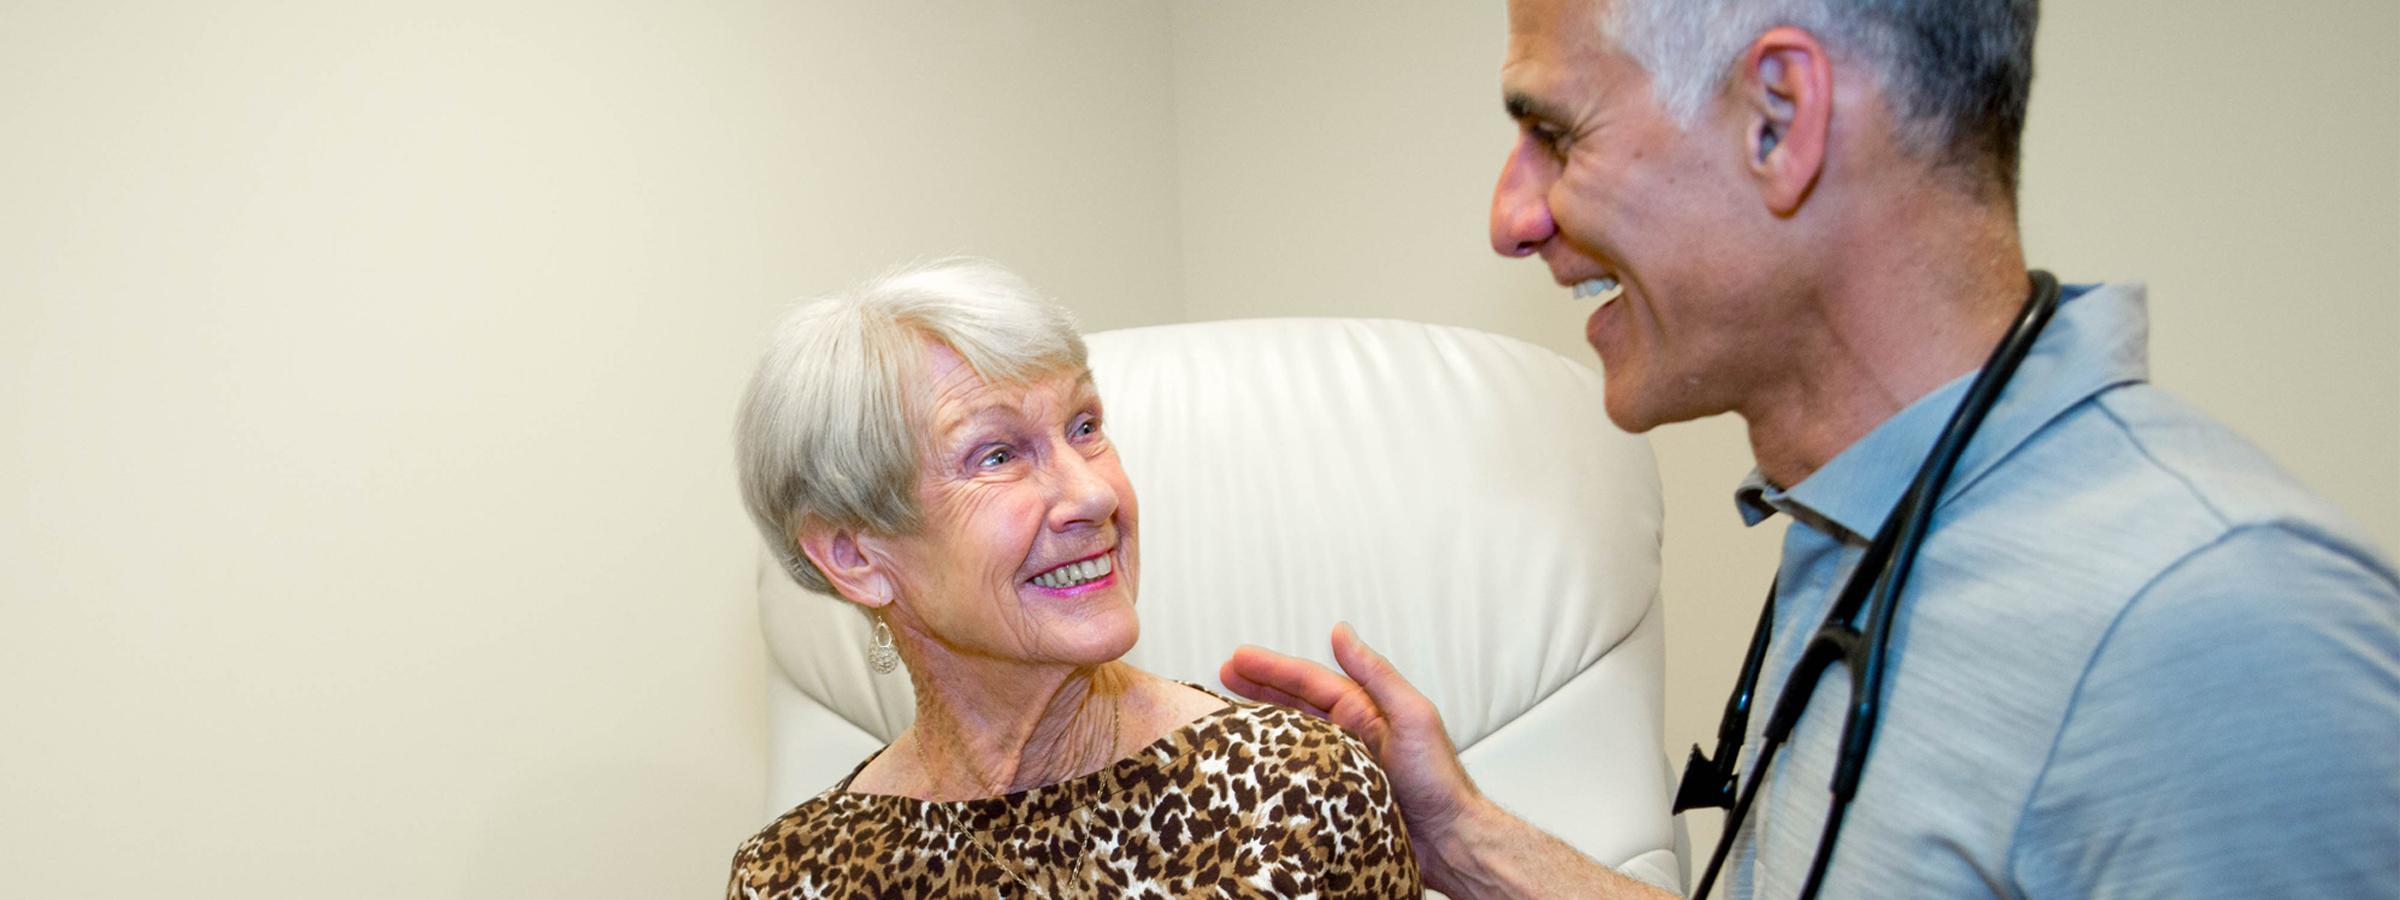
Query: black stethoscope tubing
1864	652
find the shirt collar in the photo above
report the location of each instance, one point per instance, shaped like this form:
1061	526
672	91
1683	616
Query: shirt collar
2096	341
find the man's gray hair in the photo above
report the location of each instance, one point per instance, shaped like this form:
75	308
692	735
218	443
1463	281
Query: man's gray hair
1957	72
831	430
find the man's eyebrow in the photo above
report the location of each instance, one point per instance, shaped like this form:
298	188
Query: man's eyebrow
1522	106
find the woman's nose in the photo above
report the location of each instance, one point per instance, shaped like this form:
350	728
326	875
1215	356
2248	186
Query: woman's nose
1521	201
1084	495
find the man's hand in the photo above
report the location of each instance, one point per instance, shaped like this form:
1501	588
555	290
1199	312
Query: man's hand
1467	846
1402	728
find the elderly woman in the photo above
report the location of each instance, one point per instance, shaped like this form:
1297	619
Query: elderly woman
931	448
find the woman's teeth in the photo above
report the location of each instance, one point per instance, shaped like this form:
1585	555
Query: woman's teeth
1597	287
1073	574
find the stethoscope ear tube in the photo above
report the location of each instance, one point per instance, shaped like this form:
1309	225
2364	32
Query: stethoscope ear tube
1866	653
1915	512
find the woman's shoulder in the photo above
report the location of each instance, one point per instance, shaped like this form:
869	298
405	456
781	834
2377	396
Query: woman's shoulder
1312	794
828	839
796	832
1281	737
831	811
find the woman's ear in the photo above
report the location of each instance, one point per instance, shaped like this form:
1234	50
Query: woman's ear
1785	92
846	558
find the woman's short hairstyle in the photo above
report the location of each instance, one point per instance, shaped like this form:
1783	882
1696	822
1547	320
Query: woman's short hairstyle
830	430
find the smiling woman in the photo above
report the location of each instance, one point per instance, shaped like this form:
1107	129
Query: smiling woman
931	448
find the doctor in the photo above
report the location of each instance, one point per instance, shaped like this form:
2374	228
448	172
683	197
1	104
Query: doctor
2136	658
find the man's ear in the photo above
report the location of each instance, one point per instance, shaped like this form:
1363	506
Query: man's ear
850	561
1784	90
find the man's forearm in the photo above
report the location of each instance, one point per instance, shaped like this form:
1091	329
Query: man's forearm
1489	853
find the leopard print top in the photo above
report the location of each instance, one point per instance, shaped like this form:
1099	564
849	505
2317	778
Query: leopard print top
1247	801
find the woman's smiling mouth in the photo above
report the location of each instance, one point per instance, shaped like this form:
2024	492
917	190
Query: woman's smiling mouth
1076	574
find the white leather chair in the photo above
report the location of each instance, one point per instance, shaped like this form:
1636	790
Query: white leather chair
1458	496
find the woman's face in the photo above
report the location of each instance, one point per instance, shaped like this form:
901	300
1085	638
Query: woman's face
1027	553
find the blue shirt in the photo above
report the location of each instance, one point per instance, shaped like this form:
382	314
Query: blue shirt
2135	657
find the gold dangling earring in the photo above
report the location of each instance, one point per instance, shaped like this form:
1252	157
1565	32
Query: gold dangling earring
882	656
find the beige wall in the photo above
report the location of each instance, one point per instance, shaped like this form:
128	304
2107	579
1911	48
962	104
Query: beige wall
364	374
2243	158
366	519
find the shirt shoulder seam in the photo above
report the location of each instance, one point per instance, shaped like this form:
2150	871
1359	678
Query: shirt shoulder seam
2227	534
2141	445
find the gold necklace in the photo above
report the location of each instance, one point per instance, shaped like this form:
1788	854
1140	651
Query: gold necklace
1116	716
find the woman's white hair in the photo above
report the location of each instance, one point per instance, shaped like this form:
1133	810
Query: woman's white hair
829	430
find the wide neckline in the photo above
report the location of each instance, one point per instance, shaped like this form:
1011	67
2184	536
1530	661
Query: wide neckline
1035	804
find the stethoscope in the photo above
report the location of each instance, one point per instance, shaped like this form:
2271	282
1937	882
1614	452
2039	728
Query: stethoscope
1709	783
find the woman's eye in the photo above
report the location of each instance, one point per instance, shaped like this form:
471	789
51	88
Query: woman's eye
994	457
1087	428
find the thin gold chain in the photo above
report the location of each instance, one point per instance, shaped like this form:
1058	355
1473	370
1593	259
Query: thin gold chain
1116	715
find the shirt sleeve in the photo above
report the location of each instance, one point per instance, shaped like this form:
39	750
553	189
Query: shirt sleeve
1370	852
2235	735
741	886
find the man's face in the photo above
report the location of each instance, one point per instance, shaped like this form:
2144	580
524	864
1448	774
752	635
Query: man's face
1630	208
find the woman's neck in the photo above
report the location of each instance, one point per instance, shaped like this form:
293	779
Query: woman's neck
983	737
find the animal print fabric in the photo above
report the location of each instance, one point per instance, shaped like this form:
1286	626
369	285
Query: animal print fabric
1248	801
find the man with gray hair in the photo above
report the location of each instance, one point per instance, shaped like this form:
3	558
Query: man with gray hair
2135	657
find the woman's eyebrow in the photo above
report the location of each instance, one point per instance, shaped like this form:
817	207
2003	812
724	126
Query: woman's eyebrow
1085	391
952	425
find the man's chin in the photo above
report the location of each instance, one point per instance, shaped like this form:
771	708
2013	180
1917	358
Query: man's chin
1635	412
1629	413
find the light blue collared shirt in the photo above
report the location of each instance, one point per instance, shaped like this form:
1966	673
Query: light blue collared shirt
2135	658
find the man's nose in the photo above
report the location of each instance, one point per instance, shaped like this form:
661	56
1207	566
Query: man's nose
1521	202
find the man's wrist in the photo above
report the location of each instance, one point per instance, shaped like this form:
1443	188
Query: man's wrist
1487	851
1458	861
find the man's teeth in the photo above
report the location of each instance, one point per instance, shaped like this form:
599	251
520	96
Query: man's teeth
1073	574
1596	287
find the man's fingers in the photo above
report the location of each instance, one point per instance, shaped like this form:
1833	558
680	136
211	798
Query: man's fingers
1312	685
1237	683
1382	681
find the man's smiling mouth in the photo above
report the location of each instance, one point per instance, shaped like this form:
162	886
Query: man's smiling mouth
1604	288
